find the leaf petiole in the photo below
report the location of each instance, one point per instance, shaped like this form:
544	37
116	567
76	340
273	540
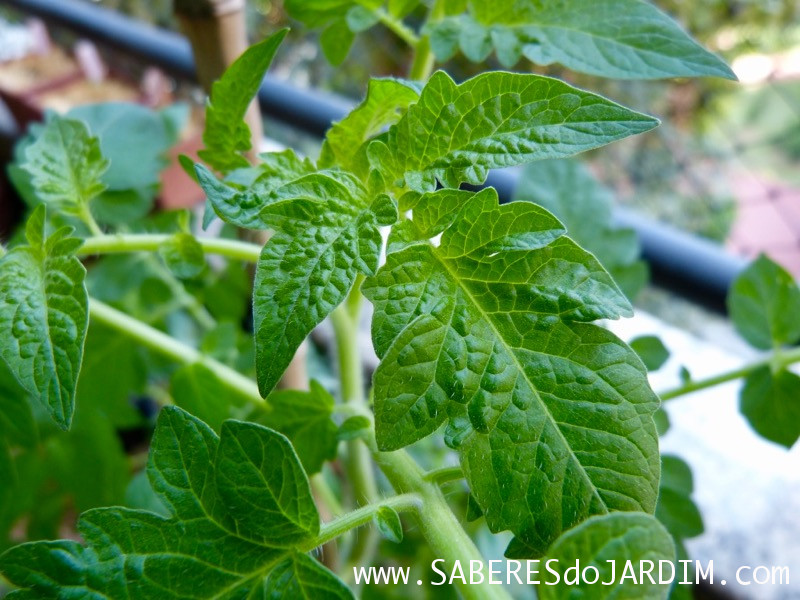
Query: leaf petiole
778	360
149	242
341	525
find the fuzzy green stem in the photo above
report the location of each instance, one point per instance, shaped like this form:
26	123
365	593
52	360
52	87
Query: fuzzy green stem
361	516
779	360
358	463
438	524
397	27
86	216
444	475
149	242
168	346
424	60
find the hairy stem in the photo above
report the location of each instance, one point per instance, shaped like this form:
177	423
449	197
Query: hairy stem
444	475
149	242
397	27
168	346
424	61
358	463
778	360
438	524
86	216
361	516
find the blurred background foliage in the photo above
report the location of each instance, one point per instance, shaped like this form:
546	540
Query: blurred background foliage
714	131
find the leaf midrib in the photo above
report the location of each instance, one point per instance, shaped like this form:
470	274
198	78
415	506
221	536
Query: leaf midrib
521	371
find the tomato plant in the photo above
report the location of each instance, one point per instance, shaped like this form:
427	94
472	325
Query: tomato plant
493	369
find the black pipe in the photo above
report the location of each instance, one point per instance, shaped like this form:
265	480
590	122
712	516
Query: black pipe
680	262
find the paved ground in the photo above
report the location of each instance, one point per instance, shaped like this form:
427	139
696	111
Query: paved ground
748	489
767	220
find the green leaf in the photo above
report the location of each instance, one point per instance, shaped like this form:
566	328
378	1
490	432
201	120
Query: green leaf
300	576
222	494
345	142
17	424
678	513
623	39
316	13
607	542
261	483
226	135
119	127
353	428
326	232
44	316
570	192
676	510
651	350
65	165
388	522
764	304
183	255
456	133
241	205
487	332
769	402
336	41
360	18
304	418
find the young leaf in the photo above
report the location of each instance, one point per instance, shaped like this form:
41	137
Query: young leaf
604	545
327	231
226	134
388	523
345	142
487	332
675	509
336	41
239	505
769	402
764	304
44	316
183	255
570	192
651	350
65	165
241	205
305	418
624	39
456	133
353	428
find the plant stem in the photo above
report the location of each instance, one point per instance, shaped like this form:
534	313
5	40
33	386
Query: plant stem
360	516
423	63
397	27
778	360
150	242
441	529
192	304
170	347
358	462
87	217
444	475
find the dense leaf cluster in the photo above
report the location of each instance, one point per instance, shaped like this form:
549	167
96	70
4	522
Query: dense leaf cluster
485	317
